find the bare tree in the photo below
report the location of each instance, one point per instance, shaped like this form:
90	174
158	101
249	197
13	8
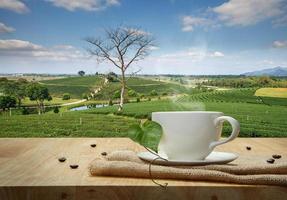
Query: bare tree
121	46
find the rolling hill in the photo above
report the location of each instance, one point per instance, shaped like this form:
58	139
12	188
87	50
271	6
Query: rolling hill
276	71
76	86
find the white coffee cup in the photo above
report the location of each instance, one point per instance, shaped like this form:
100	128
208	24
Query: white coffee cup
192	135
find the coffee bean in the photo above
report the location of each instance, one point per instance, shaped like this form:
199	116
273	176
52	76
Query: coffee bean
74	166
248	148
93	145
271	160
62	159
104	153
276	156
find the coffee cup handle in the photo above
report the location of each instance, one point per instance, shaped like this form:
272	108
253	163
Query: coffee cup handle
235	130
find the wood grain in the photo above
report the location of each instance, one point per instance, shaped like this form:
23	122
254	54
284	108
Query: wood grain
29	169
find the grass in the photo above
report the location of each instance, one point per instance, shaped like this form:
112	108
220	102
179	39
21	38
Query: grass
86	81
65	125
257	120
54	101
272	92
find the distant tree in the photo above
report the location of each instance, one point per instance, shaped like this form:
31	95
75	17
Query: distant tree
110	102
16	89
38	93
85	96
121	46
113	74
25	111
66	96
132	93
81	73
111	78
7	102
153	93
264	80
56	110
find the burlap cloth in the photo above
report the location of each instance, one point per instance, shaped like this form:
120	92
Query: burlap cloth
245	170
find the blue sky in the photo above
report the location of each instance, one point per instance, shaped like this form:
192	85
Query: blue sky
192	36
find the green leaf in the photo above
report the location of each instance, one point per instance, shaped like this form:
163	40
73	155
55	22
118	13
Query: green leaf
148	134
136	133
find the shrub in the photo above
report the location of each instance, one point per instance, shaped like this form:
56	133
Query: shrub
85	96
7	102
164	94
56	110
138	99
117	94
25	111
112	77
66	96
149	99
153	93
132	93
110	102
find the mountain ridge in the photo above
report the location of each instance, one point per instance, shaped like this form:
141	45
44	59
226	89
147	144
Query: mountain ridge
275	71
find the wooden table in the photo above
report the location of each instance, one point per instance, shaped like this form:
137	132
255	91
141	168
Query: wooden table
29	169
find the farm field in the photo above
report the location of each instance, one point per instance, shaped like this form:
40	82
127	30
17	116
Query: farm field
258	116
235	95
67	124
272	92
76	86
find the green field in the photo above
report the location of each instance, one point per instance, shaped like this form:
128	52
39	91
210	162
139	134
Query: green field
54	101
258	116
65	125
257	119
235	96
75	86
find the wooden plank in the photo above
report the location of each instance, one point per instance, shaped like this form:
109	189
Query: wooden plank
29	169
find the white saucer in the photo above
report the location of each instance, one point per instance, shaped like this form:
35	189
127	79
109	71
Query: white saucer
213	158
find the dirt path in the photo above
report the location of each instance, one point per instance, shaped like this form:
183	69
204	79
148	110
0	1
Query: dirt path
72	103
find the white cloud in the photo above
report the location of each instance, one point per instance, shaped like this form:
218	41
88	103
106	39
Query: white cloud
14	5
136	31
239	13
192	55
190	22
280	44
153	48
87	5
248	12
217	54
26	49
5	29
18	45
